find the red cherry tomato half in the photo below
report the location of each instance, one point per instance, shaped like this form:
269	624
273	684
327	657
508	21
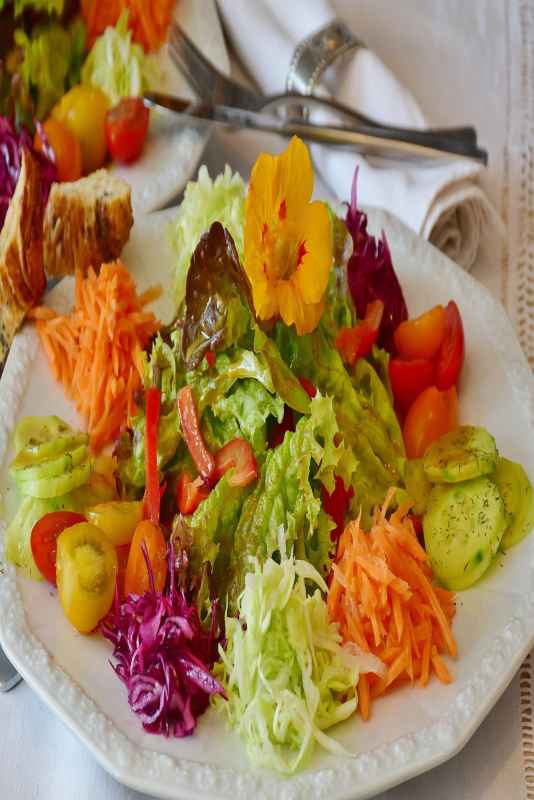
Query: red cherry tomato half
43	540
126	129
239	456
357	342
190	493
431	416
421	337
450	358
408	379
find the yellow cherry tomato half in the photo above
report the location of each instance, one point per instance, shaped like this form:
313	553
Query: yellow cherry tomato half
117	519
83	110
86	573
137	580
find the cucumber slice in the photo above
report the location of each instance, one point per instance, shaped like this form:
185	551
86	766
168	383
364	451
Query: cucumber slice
50	468
417	484
464	453
37	430
463	528
34	452
518	497
54	487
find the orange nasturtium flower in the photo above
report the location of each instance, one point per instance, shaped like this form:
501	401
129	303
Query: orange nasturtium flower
288	240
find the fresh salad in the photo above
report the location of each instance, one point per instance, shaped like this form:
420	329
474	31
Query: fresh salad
71	77
272	501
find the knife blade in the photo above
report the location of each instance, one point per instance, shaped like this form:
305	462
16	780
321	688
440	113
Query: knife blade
376	141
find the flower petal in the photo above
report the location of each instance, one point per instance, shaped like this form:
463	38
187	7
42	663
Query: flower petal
295	176
315	232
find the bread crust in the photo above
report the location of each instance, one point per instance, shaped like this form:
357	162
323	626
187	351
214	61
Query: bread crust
86	223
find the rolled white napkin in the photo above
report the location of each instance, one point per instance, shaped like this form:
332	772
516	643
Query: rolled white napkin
442	201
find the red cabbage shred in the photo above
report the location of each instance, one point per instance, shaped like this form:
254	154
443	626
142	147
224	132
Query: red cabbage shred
164	656
370	274
11	144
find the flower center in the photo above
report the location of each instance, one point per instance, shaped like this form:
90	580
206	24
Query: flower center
283	251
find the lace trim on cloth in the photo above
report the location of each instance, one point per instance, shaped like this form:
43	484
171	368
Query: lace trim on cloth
527	731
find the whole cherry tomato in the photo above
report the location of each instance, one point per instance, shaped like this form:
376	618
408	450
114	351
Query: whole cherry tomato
44	540
432	415
126	129
137	579
66	149
450	358
421	337
408	379
83	110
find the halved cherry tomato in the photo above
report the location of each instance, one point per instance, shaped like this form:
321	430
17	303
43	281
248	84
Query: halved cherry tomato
408	379
279	429
86	575
203	459
308	387
421	337
123	551
357	342
450	357
65	146
238	456
118	519
126	129
152	490
44	540
83	110
336	505
190	493
432	415
137	580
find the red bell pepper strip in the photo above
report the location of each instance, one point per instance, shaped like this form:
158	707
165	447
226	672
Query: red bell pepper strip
202	458
308	387
239	456
357	342
190	493
152	492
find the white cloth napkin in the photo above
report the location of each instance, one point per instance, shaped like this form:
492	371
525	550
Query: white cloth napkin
442	202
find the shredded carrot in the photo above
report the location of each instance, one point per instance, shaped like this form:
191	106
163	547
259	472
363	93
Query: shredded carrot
147	19
382	597
95	350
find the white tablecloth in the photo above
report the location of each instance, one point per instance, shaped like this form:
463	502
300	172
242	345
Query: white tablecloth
465	63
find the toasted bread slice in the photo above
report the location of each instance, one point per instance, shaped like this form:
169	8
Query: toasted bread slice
22	278
86	224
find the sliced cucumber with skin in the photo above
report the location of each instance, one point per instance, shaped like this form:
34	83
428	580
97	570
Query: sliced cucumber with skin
417	484
518	497
54	487
463	527
36	453
38	430
50	468
463	454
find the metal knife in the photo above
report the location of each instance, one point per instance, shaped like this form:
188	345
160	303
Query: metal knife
426	145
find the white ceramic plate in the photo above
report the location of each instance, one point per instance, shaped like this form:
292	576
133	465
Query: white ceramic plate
411	730
174	146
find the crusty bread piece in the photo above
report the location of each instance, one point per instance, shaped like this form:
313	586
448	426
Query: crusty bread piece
86	224
22	278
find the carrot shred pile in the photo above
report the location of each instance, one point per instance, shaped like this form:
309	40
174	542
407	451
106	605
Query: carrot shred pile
382	597
95	351
147	19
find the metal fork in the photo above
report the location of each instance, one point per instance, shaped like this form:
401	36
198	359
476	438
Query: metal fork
210	84
9	677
